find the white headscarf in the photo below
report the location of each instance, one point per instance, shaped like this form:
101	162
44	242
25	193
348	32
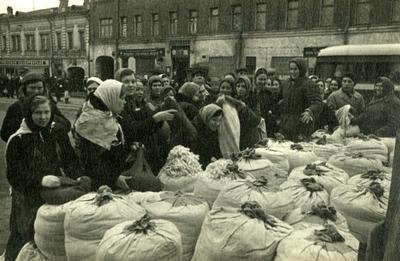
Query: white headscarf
109	92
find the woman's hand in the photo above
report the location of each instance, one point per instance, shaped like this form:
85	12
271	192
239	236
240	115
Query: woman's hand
121	182
164	115
51	181
306	117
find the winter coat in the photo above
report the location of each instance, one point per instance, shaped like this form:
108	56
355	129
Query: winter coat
338	99
269	110
299	95
381	117
14	116
206	144
249	121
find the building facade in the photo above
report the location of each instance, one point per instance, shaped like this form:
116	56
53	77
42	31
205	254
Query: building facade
51	41
173	35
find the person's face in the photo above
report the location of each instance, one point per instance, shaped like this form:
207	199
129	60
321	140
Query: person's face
347	85
378	88
197	96
121	101
214	122
41	115
156	88
321	86
261	81
294	71
241	89
170	94
34	88
225	88
334	85
91	88
165	81
198	78
138	91
275	86
128	82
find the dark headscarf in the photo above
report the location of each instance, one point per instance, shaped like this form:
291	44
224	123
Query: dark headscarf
259	71
301	64
27	112
247	82
32	77
189	89
388	87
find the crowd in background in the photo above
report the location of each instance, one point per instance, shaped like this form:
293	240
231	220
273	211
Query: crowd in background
119	113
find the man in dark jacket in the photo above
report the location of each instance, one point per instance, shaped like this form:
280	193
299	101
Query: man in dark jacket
382	115
32	83
302	102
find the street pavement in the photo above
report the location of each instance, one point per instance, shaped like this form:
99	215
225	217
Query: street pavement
69	110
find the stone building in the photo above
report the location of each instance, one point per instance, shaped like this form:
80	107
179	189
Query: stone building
51	41
227	34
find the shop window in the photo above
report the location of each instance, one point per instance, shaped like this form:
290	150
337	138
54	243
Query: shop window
106	28
123	26
261	16
82	40
327	12
138	25
396	10
173	23
155	25
70	40
30	42
292	14
193	21
363	10
45	42
214	17
16	43
59	43
236	18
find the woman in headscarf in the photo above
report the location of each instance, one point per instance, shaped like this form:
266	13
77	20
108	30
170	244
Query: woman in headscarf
37	154
102	147
206	144
302	103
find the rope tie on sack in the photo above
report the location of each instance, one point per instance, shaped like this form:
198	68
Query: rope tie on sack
141	226
322	141
232	171
356	155
103	196
364	137
315	169
329	234
376	189
262	144
179	199
253	210
325	212
297	147
311	185
374	175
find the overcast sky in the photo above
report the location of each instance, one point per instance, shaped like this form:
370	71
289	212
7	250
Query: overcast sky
29	5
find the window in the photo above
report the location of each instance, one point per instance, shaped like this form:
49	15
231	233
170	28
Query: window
59	43
261	16
236	18
327	12
193	21
138	25
70	40
123	26
44	42
214	16
155	25
292	14
4	43
396	10
251	63
173	23
106	28
16	43
30	42
362	12
82	40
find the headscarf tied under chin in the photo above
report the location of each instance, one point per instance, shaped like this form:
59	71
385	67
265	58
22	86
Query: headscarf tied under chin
301	64
110	93
207	112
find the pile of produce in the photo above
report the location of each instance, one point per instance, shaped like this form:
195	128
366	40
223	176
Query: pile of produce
244	233
181	169
186	211
324	173
272	200
145	239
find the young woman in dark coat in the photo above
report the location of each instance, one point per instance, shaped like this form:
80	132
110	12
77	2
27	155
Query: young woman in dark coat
32	83
302	103
35	155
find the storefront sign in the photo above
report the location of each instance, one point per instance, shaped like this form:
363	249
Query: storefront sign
142	52
312	51
180	51
33	63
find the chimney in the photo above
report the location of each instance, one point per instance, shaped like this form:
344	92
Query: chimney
9	10
63	6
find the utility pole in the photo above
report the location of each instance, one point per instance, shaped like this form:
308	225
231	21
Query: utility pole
117	34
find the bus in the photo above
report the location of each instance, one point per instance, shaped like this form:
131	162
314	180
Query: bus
366	62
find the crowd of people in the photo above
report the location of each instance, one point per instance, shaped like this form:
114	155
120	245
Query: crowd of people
122	112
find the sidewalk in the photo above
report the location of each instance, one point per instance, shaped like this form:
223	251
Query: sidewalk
74	103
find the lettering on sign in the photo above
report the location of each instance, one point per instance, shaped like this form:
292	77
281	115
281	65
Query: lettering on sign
142	52
40	63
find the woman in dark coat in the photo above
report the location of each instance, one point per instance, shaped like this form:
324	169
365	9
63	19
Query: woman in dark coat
35	155
100	140
206	144
302	103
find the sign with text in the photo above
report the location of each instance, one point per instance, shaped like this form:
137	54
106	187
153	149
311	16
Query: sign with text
142	52
28	62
